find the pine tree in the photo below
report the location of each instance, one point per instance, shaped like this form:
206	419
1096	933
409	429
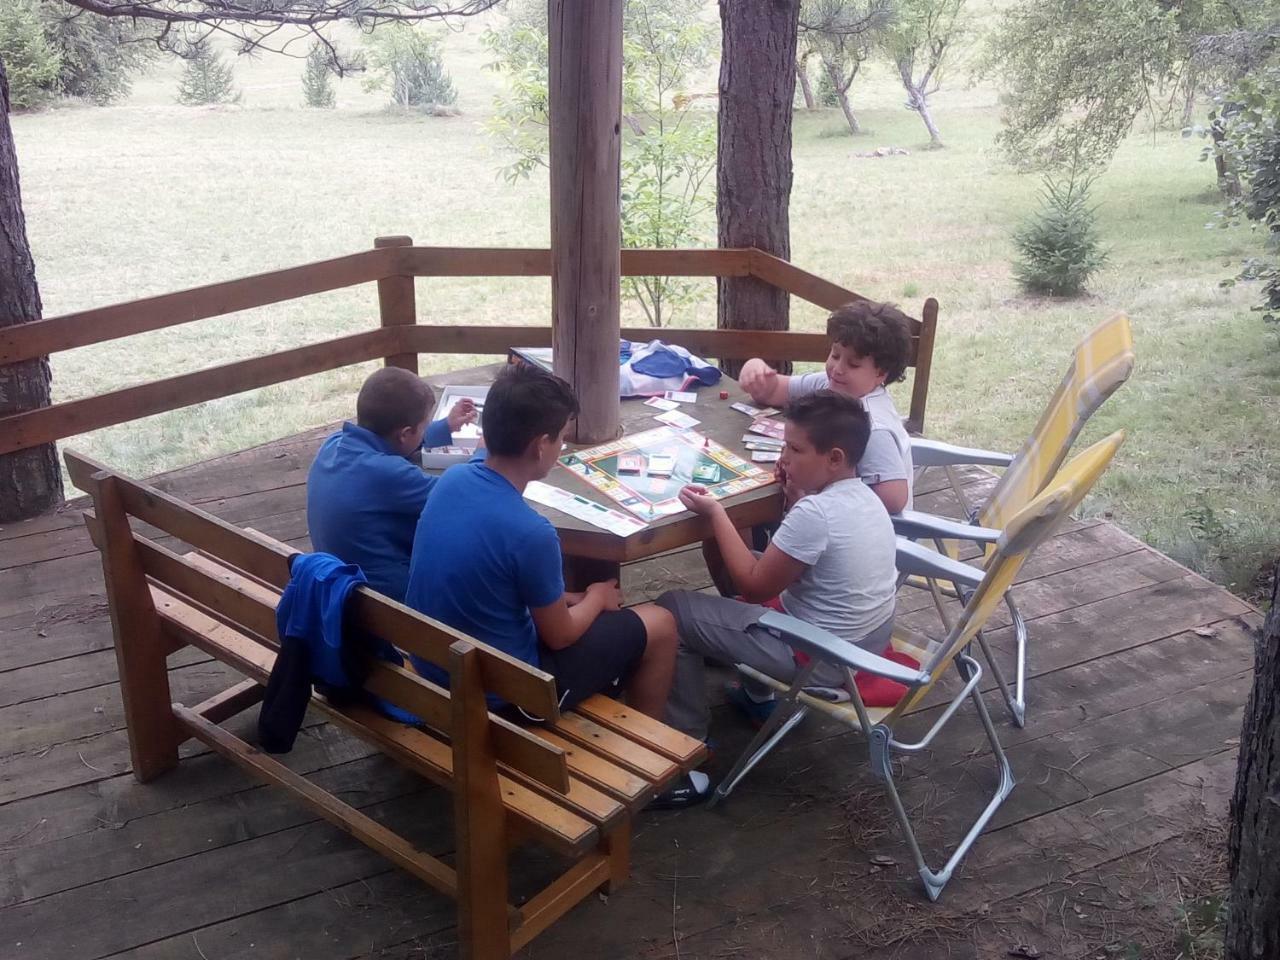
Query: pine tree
206	78
1059	247
317	80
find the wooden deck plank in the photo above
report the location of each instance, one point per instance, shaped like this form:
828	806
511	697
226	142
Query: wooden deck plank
180	895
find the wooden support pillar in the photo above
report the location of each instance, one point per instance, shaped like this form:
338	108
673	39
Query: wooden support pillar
585	95
397	303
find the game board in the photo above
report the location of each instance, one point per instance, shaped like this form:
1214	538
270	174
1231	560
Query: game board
695	459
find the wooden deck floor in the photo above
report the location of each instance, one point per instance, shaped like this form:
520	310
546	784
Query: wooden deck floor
1138	671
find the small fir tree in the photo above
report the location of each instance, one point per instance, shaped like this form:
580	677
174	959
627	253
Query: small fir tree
408	59
317	79
1059	249
206	78
32	63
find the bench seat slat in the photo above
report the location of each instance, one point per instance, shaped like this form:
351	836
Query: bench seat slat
599	769
644	730
642	761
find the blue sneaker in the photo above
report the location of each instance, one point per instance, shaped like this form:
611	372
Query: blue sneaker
757	712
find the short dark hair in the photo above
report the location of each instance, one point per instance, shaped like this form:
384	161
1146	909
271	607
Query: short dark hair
877	330
832	420
393	398
525	402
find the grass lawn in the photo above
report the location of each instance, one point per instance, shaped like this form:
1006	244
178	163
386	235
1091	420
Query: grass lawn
150	196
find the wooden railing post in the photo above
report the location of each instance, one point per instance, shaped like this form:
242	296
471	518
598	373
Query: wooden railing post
397	303
140	645
478	814
923	366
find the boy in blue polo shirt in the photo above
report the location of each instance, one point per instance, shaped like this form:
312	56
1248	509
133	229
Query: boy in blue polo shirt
364	494
486	563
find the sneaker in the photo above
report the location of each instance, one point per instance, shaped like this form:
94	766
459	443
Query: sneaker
689	790
755	711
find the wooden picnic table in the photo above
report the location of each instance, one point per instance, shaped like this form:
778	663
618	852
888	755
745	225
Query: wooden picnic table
593	554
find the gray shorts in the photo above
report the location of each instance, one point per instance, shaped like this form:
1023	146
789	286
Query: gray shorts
728	631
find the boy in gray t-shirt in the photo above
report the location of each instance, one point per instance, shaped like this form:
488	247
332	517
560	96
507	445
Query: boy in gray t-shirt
870	347
831	563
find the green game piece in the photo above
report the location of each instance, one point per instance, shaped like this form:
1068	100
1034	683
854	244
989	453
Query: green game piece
706	473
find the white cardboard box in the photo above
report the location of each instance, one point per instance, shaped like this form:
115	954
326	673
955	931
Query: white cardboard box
465	440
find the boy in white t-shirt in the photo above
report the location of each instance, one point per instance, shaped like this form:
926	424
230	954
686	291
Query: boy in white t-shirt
870	347
831	563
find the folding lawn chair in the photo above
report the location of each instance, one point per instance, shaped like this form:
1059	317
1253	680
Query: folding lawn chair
1101	362
1022	533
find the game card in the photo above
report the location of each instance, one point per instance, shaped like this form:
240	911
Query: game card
661	465
753	412
765	456
677	419
631	463
681	396
754	441
767	427
662	404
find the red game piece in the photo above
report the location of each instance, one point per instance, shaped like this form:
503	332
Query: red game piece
724	394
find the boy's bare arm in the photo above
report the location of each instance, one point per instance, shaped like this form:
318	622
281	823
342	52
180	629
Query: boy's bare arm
892	493
560	624
763	384
756	578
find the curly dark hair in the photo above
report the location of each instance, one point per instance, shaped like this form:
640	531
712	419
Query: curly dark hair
877	330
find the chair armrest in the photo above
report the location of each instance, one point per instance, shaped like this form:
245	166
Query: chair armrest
923	562
822	645
915	525
933	453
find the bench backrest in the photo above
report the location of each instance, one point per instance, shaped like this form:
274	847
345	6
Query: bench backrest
117	498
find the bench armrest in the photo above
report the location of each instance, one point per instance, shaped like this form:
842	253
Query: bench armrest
821	645
915	525
934	453
913	559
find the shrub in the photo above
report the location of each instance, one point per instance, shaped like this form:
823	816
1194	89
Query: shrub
824	91
1058	248
99	55
30	61
408	59
206	78
317	79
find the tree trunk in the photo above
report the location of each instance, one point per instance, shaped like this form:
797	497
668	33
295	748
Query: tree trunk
753	176
30	481
842	92
918	101
1228	180
1253	850
806	88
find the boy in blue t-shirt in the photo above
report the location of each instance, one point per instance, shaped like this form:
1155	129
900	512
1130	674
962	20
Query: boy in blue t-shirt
486	563
364	494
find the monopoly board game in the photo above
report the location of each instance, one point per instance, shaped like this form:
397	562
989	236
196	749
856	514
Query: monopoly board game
645	472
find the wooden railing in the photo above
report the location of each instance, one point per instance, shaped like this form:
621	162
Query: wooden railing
392	265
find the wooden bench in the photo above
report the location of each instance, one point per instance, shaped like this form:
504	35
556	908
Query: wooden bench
570	785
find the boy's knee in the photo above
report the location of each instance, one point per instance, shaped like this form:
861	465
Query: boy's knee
675	603
659	624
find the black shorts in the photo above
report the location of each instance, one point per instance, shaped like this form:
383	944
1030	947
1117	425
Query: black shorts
600	661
